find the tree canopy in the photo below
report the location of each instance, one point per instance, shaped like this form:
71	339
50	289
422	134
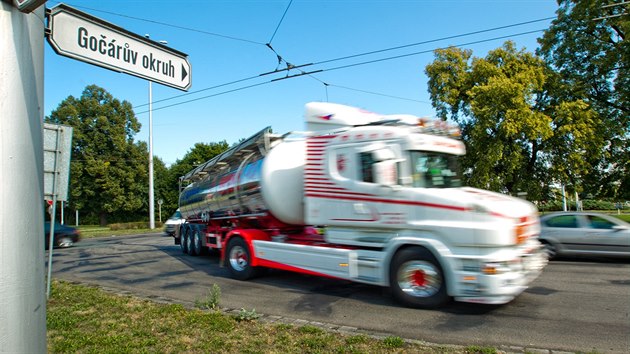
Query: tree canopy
108	171
520	133
586	45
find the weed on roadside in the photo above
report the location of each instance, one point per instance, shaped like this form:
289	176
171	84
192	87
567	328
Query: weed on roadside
247	315
211	300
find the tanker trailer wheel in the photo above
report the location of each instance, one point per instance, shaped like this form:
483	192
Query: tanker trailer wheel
416	279
196	243
239	260
183	242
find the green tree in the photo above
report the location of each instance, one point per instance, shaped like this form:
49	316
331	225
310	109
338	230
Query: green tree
108	169
518	136
586	44
198	154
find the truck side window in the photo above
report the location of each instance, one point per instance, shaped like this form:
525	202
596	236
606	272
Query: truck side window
366	160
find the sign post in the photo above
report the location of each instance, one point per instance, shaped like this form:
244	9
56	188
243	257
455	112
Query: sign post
22	283
81	36
57	151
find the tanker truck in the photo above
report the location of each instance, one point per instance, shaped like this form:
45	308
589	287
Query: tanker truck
359	196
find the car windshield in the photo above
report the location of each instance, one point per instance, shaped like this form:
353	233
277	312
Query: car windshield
177	215
435	170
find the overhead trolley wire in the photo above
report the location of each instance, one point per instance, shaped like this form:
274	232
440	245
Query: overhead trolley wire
342	67
279	23
428	51
376	93
200	90
209	96
171	25
290	66
428	41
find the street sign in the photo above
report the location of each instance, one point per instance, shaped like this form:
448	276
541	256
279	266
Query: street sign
83	37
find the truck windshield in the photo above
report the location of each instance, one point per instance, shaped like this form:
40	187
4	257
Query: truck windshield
435	170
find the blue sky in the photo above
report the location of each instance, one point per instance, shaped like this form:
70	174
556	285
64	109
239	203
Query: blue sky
225	41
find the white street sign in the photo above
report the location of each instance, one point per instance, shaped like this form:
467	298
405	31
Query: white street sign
81	36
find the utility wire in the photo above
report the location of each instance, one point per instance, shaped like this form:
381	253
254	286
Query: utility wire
279	23
376	93
200	90
431	41
290	66
344	67
170	25
428	51
204	97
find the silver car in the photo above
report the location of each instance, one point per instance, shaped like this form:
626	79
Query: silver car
593	234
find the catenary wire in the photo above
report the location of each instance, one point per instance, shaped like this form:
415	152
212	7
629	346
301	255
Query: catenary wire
348	66
209	96
429	51
377	93
169	25
289	66
279	23
302	73
200	90
432	41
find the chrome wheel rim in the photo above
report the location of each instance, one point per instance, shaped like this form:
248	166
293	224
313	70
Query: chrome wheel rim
238	258
419	279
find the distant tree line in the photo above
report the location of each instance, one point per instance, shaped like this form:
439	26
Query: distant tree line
530	122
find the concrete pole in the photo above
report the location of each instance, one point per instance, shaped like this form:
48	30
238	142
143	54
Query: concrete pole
22	285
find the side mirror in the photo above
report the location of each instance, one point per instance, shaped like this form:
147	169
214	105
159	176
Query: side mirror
385	173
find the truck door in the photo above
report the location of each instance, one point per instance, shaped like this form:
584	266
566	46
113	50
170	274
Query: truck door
366	178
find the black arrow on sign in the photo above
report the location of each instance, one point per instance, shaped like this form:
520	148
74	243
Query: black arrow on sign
184	73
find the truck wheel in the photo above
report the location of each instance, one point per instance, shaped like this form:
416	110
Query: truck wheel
183	242
189	242
416	279
196	243
239	260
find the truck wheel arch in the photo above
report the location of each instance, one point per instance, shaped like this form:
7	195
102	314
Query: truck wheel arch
249	236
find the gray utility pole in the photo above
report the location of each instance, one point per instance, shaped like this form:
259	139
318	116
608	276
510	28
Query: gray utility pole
151	195
151	188
22	285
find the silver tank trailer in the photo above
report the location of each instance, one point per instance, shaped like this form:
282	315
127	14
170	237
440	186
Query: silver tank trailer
228	185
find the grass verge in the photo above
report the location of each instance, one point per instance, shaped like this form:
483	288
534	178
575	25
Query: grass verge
85	319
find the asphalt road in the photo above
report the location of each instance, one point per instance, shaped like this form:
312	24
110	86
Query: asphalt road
576	305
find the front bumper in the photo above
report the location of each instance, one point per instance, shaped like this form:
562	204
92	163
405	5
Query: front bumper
502	287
